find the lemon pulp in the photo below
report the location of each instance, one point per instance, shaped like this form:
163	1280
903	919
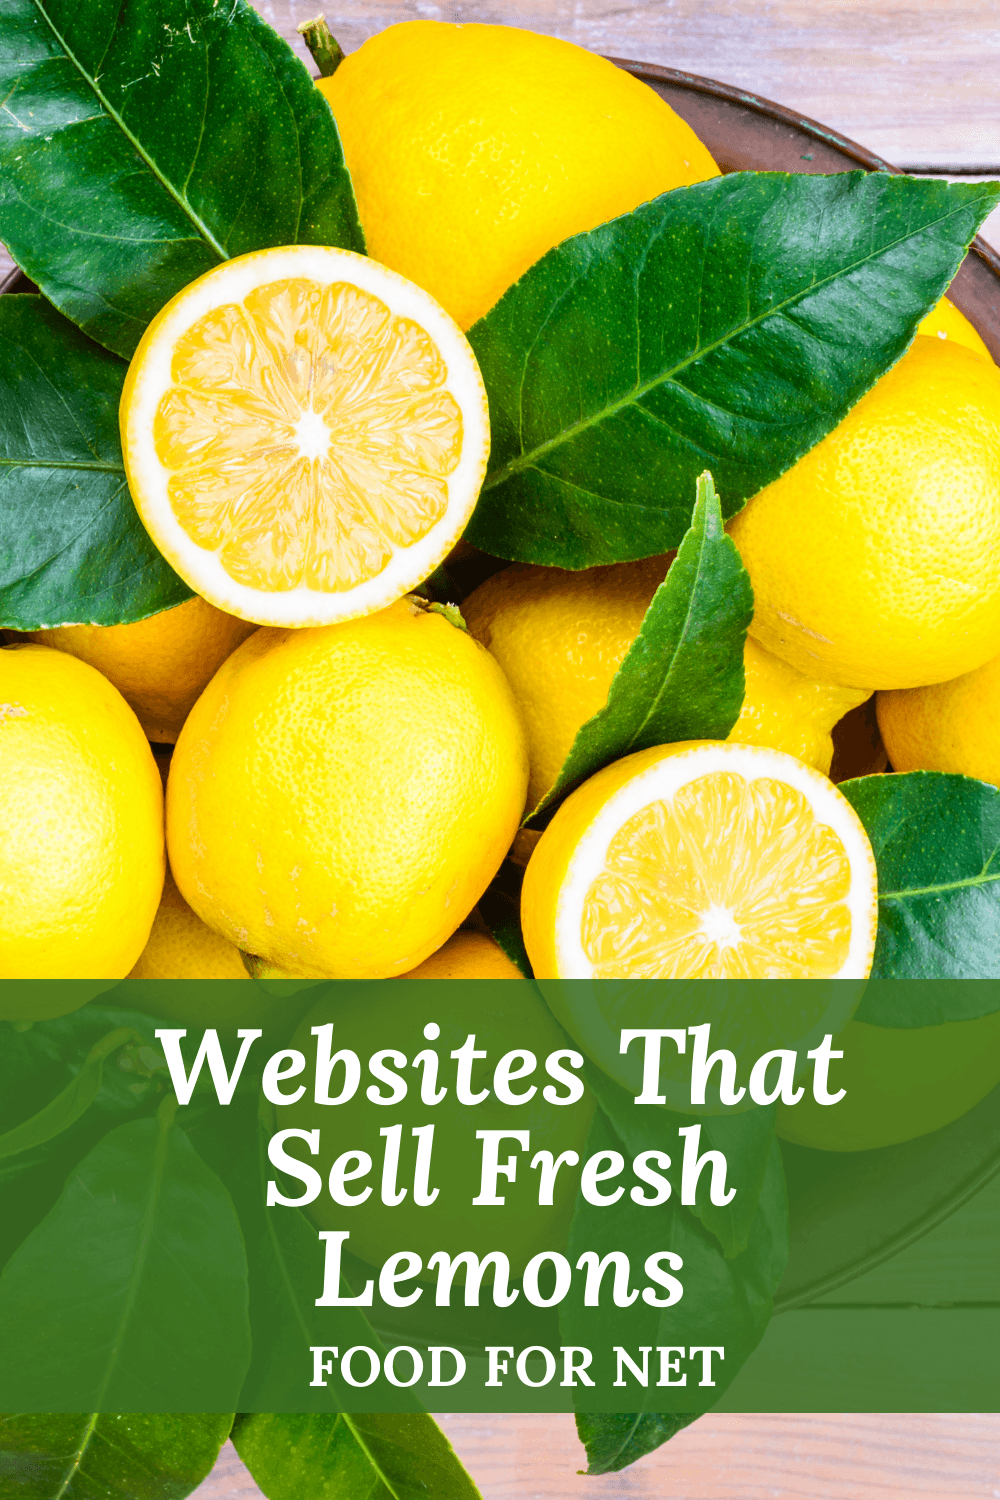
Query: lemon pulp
307	433
730	879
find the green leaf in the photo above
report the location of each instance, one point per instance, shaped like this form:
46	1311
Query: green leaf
725	1302
500	908
729	326
936	839
286	1265
614	1440
86	1456
142	142
36	1067
339	1457
132	1292
745	1140
72	547
682	677
66	1108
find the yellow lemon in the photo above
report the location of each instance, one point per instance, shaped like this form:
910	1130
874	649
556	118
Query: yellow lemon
702	860
467	955
305	434
180	946
561	637
81	821
875	560
788	711
475	149
159	665
950	726
900	1084
340	798
946	322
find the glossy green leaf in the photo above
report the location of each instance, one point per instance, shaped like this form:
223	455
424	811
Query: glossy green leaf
286	1265
500	908
38	1066
87	1456
614	1440
132	1292
729	326
725	1302
682	677
66	1108
936	839
340	1457
72	547
142	142
745	1140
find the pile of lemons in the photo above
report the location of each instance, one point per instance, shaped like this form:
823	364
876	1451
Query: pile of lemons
305	433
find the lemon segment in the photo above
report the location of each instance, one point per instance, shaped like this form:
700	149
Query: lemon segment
305	435
702	860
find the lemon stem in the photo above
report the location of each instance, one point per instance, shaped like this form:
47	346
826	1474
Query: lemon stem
326	50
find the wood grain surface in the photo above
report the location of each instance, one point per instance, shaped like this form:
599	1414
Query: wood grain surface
918	81
719	1458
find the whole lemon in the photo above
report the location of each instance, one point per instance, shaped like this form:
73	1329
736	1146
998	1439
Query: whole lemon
875	560
467	955
946	322
340	797
81	821
561	637
475	149
159	665
410	1022
949	726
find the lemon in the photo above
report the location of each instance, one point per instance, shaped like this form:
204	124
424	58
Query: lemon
946	322
159	665
180	946
305	434
900	1084
81	821
516	1019
561	637
467	955
475	149
702	860
875	560
949	726
340	797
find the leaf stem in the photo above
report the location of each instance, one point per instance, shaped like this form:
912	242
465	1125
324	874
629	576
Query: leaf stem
326	50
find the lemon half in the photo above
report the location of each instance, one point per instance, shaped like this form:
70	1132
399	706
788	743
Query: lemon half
305	435
702	860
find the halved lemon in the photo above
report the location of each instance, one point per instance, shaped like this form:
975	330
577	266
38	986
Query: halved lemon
702	860
305	435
